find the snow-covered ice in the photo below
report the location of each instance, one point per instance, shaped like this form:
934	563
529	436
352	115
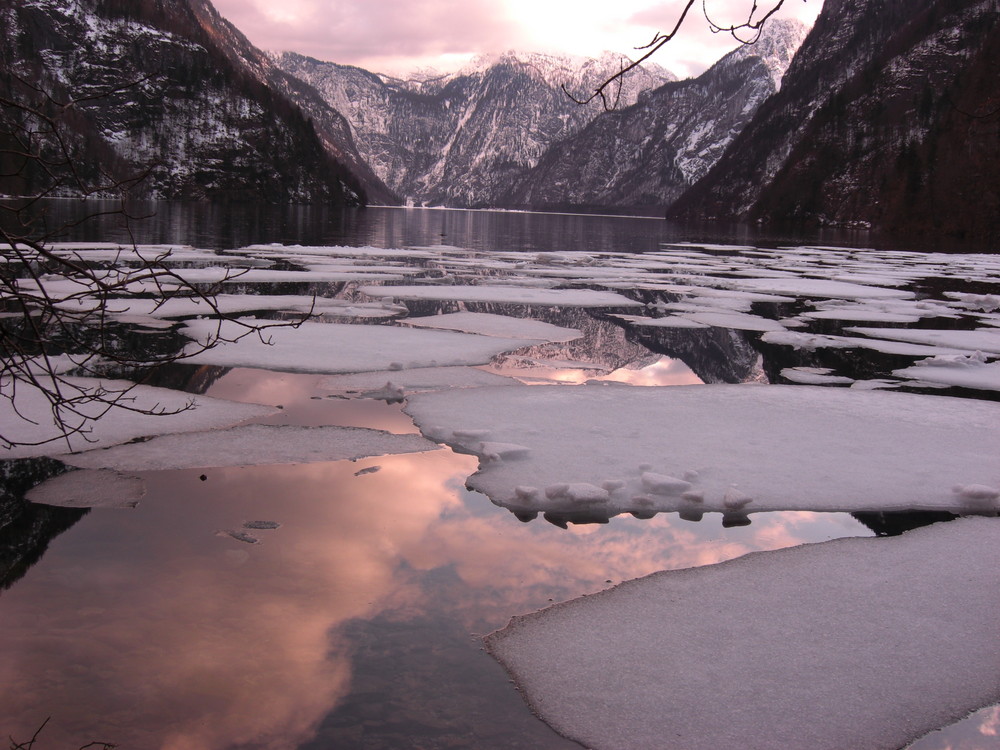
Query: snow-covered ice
249	445
167	411
488	324
334	348
972	371
785	447
419	379
101	488
510	294
855	643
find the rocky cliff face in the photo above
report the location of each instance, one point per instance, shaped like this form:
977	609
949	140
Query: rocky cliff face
460	139
889	117
649	153
180	91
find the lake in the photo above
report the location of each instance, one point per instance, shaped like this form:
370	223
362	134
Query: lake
341	603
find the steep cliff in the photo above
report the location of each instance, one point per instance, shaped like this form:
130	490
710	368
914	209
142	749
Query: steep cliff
178	90
649	153
889	117
459	139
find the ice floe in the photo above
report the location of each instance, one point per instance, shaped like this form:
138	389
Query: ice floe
853	643
249	445
488	324
509	294
143	411
334	348
783	447
983	339
419	379
100	488
971	371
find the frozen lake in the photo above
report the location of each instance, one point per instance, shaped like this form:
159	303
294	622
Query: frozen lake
330	598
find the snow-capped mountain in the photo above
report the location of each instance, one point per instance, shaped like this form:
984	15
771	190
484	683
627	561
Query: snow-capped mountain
888	117
178	91
460	139
647	154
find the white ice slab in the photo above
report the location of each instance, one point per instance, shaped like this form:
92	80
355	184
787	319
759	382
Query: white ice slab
983	339
334	348
967	372
89	489
419	379
488	324
856	643
505	294
814	376
250	445
785	447
667	321
120	424
819	288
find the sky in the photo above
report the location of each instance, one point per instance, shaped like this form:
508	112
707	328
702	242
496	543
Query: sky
400	36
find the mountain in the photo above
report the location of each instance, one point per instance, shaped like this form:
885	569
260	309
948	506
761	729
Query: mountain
459	139
647	154
888	117
176	89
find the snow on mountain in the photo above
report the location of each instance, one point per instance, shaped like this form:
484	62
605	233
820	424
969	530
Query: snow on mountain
180	92
459	139
886	119
649	153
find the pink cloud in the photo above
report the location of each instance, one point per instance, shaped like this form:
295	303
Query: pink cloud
360	31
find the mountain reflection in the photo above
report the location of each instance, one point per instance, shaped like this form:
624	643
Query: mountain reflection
148	629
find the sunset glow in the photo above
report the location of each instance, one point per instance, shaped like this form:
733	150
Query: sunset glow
387	36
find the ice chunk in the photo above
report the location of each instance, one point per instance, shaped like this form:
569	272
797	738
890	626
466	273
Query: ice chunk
807	647
148	411
509	294
577	492
982	339
334	348
814	376
250	445
787	447
493	451
488	324
661	484
389	393
89	489
968	371
423	378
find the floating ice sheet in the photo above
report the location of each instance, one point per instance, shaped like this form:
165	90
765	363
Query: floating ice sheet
167	411
966	372
334	348
983	339
509	294
855	643
419	379
89	489
784	447
668	321
250	445
488	324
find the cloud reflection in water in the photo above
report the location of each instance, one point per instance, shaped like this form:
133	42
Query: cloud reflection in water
144	628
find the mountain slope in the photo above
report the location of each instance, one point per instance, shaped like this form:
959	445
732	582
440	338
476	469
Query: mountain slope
201	107
459	139
889	117
649	153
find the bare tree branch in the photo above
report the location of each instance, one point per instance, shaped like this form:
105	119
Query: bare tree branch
754	25
57	307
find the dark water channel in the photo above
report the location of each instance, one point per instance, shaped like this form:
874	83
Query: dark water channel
354	622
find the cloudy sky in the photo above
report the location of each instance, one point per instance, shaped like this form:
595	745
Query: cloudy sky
399	36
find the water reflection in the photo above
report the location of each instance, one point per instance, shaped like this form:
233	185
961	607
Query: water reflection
225	225
145	627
